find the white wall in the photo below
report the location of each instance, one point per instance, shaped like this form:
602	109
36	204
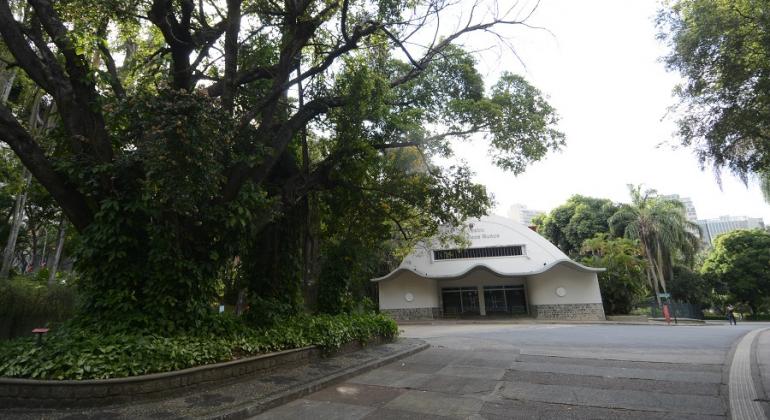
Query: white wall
581	287
489	231
392	292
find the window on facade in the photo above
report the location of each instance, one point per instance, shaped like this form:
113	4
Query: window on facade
498	251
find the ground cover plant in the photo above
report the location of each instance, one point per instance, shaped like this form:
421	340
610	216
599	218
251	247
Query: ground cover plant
72	353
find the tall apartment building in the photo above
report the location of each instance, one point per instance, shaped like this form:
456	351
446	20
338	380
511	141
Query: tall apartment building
711	228
688	206
523	215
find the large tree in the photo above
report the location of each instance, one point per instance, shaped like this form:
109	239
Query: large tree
721	49
580	218
663	231
186	129
739	264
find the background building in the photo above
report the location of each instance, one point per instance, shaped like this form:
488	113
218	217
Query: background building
711	228
688	206
520	213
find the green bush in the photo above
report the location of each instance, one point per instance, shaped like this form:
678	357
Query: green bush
757	317
79	353
266	312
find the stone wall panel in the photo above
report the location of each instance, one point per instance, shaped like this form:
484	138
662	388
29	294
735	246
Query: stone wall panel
569	312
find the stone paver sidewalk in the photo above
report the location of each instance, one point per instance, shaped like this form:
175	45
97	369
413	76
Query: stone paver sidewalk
244	398
563	371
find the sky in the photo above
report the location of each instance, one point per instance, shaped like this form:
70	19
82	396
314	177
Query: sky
598	63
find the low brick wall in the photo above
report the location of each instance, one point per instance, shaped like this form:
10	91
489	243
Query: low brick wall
569	311
413	314
69	393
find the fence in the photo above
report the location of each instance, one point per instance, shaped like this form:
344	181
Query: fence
677	310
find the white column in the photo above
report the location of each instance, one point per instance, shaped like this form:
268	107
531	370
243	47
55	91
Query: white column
482	305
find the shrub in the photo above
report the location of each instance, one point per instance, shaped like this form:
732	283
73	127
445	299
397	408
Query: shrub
79	353
266	312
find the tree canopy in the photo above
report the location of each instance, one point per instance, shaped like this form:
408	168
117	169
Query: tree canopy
190	133
623	284
720	48
575	221
739	264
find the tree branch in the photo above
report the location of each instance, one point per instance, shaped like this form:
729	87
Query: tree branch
80	114
72	202
177	36
231	53
280	140
109	61
15	41
244	77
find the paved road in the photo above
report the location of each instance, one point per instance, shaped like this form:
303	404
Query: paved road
486	371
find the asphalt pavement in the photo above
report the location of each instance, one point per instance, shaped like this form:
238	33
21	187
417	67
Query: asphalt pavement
571	371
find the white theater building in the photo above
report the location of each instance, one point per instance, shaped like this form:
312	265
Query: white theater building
507	269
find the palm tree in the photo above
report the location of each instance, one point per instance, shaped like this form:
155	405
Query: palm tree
662	228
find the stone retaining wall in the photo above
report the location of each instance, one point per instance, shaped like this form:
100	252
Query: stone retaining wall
569	311
413	314
71	393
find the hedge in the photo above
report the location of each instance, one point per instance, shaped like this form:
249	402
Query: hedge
76	353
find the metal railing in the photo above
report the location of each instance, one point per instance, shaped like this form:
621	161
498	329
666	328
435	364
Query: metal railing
677	310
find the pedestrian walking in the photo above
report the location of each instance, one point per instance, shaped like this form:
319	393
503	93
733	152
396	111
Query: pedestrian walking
731	315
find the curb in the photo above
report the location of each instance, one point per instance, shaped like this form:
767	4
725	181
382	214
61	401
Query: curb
259	406
742	391
560	322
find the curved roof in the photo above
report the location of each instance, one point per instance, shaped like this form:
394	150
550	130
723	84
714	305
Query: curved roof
489	231
567	263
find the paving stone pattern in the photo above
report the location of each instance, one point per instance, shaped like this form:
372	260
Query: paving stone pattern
493	381
763	361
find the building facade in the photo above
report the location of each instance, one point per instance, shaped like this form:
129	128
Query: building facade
689	207
711	228
507	269
520	213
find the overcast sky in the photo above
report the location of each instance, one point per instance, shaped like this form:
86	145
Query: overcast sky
600	68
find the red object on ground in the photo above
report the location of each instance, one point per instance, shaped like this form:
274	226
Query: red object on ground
666	314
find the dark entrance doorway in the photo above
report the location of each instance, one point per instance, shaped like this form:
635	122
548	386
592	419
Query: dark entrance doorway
505	300
460	301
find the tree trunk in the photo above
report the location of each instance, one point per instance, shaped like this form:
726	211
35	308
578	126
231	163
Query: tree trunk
652	277
6	84
59	247
10	247
13	235
33	248
44	249
661	277
652	270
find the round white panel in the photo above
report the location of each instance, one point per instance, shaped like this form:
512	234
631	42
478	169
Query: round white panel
409	297
561	292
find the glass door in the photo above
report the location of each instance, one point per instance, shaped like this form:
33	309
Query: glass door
460	301
504	300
